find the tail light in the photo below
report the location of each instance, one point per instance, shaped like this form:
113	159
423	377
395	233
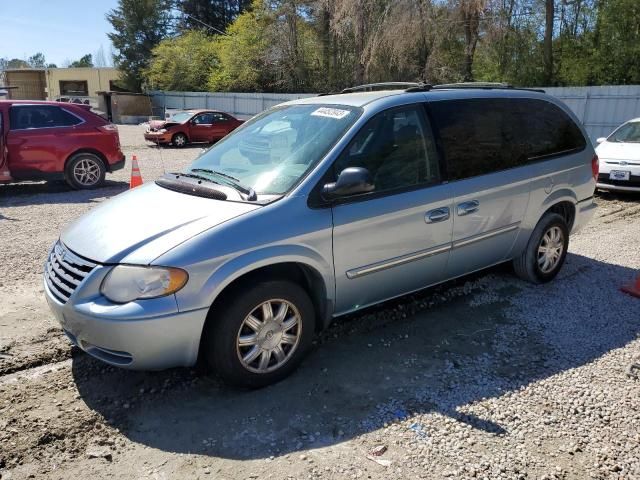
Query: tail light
108	128
595	167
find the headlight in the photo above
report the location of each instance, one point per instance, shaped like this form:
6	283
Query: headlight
126	283
162	130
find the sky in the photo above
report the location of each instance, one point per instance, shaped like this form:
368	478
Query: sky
61	29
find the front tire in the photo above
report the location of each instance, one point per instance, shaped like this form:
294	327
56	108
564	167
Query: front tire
546	250
85	171
179	140
260	334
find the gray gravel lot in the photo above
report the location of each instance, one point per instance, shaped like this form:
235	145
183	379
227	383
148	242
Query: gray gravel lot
484	377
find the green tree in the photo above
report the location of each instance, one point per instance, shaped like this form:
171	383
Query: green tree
616	58
17	63
85	61
139	25
210	16
182	63
242	53
37	61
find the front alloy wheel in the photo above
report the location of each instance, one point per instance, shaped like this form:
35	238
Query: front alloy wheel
179	140
258	333
269	336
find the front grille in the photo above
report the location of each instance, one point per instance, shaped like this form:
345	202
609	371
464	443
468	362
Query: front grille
64	271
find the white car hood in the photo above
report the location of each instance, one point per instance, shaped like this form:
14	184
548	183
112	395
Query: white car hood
619	151
140	225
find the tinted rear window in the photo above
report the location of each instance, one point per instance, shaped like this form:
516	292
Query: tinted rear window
41	116
481	136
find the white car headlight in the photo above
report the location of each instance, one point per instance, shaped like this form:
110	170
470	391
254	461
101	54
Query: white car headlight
162	130
126	283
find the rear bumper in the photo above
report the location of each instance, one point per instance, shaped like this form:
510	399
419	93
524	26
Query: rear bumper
119	165
585	209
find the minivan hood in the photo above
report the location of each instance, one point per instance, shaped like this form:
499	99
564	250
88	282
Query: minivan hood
140	225
619	151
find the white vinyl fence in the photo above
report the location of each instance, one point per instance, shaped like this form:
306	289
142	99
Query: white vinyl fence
600	109
242	105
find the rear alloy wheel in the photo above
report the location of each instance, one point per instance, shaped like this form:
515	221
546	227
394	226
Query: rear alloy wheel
545	253
260	334
179	140
85	171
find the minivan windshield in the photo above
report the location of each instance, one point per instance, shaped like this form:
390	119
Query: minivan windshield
627	133
273	151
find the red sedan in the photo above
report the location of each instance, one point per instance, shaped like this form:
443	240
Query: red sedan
195	126
52	140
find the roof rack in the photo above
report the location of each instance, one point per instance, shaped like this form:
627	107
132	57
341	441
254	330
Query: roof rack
425	87
485	86
370	87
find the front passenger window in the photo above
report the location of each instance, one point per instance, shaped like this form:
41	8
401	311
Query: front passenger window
397	148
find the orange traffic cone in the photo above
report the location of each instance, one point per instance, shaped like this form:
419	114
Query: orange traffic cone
136	178
633	288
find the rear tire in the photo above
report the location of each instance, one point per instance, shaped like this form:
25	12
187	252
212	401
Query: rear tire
252	345
85	171
546	250
179	140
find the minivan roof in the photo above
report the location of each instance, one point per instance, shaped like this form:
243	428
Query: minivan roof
360	99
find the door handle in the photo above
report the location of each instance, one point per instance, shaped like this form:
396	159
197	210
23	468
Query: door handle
465	208
437	215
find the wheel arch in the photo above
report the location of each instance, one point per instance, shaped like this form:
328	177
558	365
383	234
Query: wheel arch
303	273
562	201
183	132
297	263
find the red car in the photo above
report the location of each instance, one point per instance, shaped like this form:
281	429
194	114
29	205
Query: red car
194	126
50	140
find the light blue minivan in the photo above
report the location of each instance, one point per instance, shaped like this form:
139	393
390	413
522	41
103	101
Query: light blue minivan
316	208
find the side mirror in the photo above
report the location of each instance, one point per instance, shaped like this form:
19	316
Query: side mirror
351	181
601	139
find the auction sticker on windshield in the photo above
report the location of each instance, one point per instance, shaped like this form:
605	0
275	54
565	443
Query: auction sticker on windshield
336	113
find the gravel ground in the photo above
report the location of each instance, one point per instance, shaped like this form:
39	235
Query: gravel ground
484	377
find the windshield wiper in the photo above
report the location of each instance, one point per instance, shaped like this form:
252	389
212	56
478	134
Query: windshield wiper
215	172
190	175
249	192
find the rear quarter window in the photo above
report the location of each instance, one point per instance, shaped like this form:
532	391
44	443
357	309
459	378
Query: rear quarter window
480	136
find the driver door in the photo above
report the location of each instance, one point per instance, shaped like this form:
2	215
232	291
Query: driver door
202	127
397	238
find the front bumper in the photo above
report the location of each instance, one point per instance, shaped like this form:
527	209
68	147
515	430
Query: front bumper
617	188
145	335
157	137
630	185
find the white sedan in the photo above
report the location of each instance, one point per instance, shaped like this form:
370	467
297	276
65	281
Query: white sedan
619	156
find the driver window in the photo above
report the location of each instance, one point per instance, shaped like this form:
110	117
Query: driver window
397	148
204	119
